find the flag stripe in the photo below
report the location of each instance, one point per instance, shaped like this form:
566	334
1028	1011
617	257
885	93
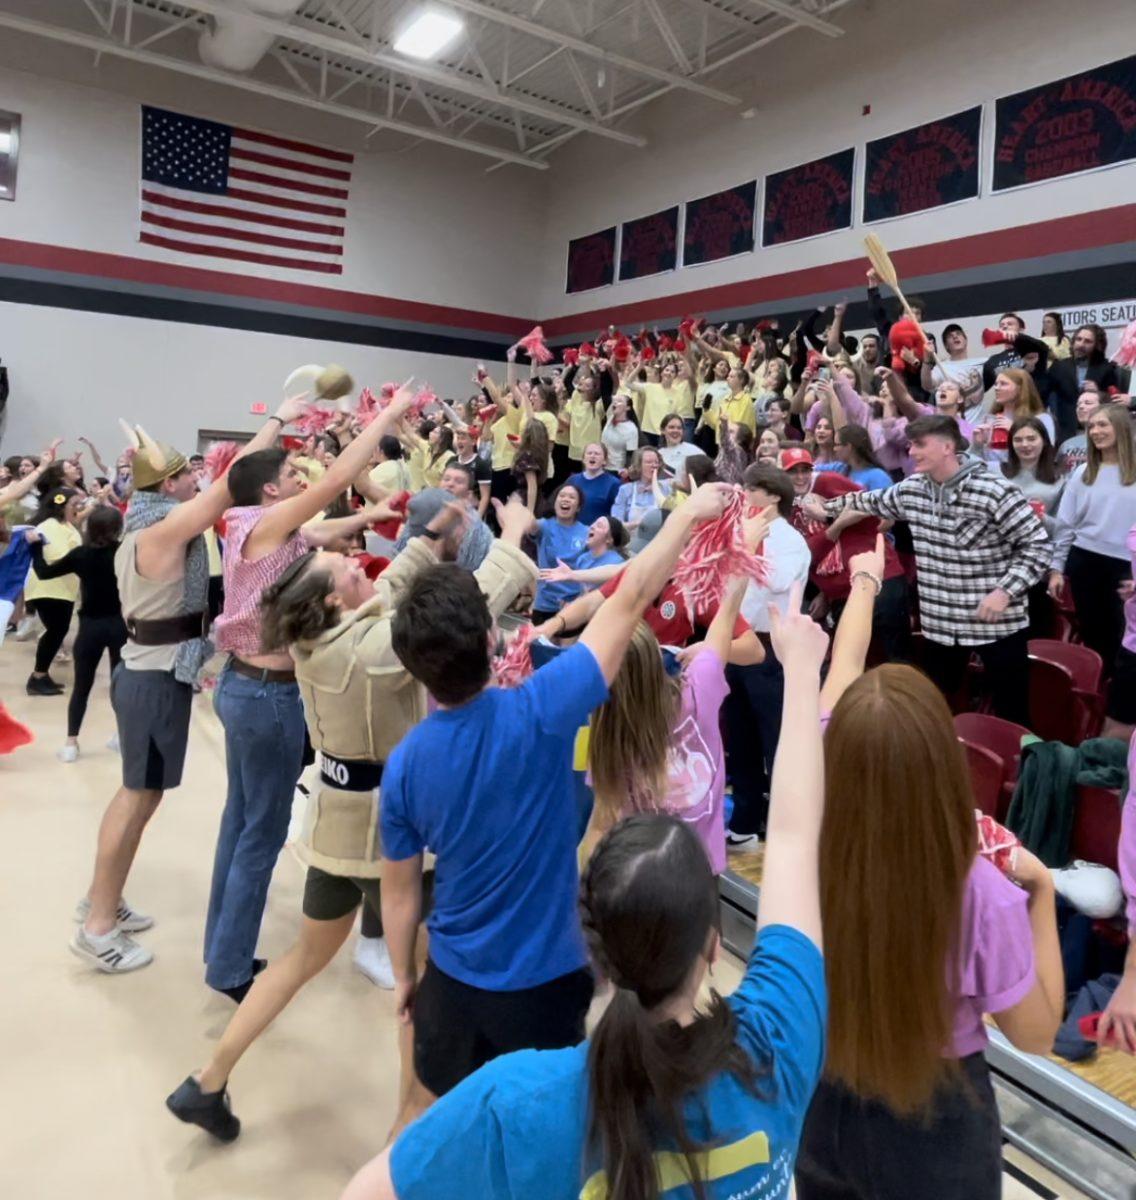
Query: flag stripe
289	164
282	177
324	210
268	139
246	235
313	189
235	211
271	260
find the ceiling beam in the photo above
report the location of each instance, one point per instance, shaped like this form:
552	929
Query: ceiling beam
74	37
668	35
302	31
792	13
568	42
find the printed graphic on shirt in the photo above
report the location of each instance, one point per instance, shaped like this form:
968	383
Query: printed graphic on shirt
690	770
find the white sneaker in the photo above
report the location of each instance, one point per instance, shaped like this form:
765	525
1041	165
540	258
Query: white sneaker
1090	888
67	753
743	843
114	953
373	959
128	920
112	743
25	629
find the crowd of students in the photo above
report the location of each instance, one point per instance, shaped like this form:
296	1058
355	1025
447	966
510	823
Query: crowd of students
557	810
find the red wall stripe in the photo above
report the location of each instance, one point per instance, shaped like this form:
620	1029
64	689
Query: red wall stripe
1085	231
92	263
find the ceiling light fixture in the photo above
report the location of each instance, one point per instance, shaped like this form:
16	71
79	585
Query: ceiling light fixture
428	34
5	141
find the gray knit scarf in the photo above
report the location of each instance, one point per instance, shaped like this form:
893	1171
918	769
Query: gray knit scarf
146	509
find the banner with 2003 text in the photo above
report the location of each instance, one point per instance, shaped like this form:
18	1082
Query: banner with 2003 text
591	261
811	199
720	226
925	167
649	245
1079	123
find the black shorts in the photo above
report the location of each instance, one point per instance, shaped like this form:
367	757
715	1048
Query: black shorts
458	1028
1122	688
328	897
152	709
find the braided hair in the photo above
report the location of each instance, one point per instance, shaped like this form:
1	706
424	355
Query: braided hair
649	908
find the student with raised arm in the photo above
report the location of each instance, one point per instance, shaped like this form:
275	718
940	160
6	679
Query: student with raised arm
257	697
666	1089
163	582
486	783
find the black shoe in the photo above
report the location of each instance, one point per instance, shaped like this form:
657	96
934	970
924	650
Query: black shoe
43	685
238	993
210	1110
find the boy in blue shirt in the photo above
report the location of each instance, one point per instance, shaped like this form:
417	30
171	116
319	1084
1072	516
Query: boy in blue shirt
486	783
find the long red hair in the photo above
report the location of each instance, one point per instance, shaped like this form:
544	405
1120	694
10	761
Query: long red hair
896	846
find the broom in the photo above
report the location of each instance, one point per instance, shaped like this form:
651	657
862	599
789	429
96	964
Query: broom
885	269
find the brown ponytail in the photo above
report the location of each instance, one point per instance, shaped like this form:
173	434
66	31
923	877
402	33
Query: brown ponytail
295	607
648	905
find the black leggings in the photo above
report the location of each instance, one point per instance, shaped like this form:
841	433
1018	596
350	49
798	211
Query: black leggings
56	618
1093	580
96	634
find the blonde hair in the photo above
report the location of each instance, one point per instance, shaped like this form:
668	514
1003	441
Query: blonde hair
631	733
1029	400
1118	417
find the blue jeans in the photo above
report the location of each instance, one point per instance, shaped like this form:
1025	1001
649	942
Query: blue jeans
264	743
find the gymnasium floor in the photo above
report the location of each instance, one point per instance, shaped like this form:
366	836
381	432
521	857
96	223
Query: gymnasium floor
89	1059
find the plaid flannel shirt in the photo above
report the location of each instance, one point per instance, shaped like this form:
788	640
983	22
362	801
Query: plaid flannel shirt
972	534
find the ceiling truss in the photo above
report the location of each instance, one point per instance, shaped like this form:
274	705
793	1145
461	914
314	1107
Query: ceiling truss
518	78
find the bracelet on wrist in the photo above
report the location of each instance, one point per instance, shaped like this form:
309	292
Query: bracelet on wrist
274	417
875	579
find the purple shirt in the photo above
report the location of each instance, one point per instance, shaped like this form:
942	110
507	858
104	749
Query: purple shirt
696	765
1129	640
996	967
1126	852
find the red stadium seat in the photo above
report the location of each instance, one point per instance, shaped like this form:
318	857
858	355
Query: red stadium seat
1083	663
1002	738
987	779
1096	826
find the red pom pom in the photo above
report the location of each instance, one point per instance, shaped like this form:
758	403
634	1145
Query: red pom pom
368	407
219	458
316	420
533	345
423	399
289	442
515	665
993	337
647	354
488	413
680	345
715	554
621	348
905	335
571	356
666	342
13	734
587	350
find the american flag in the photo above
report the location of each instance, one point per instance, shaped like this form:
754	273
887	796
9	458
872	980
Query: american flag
225	192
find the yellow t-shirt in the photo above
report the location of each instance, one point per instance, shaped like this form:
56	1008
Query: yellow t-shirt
59	539
310	467
738	410
658	402
392	474
213	553
504	451
586	424
416	463
432	471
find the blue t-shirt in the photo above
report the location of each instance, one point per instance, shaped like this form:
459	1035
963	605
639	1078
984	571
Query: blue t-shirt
556	541
609	558
516	1128
599	494
871	479
488	787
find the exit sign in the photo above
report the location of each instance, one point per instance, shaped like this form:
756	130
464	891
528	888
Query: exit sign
258	409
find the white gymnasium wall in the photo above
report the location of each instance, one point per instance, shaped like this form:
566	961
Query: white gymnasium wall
76	372
426	225
911	62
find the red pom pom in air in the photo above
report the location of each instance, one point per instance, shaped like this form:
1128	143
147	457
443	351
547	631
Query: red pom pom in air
571	356
993	337
219	458
533	345
587	350
621	348
515	665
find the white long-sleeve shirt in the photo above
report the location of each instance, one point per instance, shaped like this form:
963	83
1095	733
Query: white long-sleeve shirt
789	561
1095	516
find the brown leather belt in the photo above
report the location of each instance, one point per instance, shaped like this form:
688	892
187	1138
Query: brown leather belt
168	631
264	674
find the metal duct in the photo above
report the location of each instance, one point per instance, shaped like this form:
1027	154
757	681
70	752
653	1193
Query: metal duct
235	43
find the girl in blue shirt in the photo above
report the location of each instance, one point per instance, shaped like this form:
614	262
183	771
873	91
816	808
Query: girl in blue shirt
560	538
666	1090
858	459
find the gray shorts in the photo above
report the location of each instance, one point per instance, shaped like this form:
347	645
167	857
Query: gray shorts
152	709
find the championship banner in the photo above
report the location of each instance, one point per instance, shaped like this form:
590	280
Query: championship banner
810	199
591	261
1075	124
649	245
922	168
720	226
